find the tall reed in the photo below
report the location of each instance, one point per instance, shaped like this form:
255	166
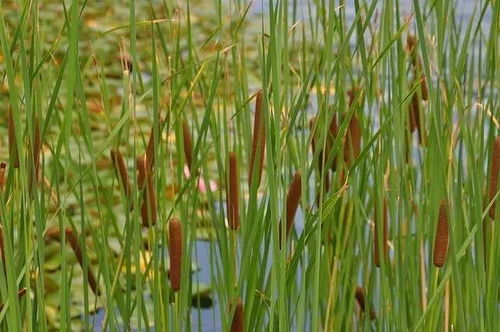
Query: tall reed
233	193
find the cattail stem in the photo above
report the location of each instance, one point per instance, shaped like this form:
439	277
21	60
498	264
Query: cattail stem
495	166
233	193
71	237
36	149
175	251
293	200
258	141
238	324
2	246
188	145
441	239
145	182
383	227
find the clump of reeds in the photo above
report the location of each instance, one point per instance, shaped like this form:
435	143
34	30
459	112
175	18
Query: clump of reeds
13	153
175	252
493	182
121	171
383	226
441	239
145	182
238	323
188	144
293	200
73	242
233	199
3	167
360	298
258	141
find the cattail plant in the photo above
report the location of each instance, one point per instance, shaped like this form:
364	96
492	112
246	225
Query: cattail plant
73	242
3	166
13	153
121	171
360	298
495	166
383	227
175	252
258	141
188	144
238	324
441	239
293	200
145	182
232	199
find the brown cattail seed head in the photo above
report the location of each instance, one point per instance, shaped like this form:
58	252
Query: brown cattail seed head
121	170
233	200
352	145
175	251
424	89
441	239
258	140
238	324
293	200
3	166
150	150
73	242
360	298
188	144
495	166
383	226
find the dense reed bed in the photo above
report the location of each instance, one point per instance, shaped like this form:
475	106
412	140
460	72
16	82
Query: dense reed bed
249	166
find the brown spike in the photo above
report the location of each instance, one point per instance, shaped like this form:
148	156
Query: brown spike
71	237
385	247
150	150
293	200
121	171
13	153
175	252
3	166
258	140
495	166
352	145
188	144
423	88
360	298
233	199
441	239
238	324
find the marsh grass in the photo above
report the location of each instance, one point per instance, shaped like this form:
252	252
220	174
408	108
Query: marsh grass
203	115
